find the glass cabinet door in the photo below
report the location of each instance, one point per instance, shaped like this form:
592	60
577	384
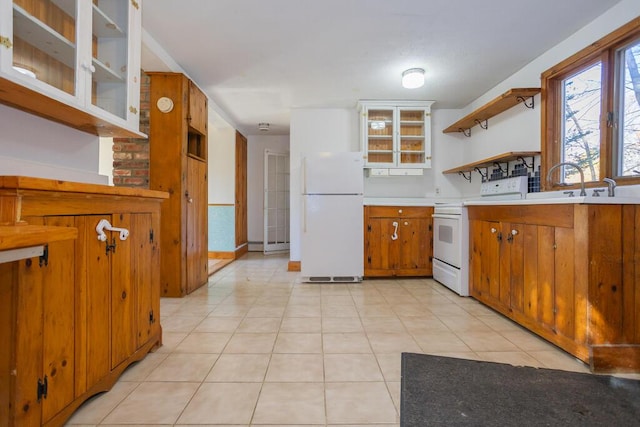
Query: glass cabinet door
380	134
44	42
412	136
109	56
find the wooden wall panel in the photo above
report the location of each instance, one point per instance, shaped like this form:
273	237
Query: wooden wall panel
242	235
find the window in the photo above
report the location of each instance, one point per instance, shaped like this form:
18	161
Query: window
591	111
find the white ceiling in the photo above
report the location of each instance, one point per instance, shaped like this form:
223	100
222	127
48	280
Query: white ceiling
258	59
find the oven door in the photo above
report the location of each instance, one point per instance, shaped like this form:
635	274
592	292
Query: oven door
447	244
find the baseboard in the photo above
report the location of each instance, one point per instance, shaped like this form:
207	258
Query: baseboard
241	250
221	255
294	266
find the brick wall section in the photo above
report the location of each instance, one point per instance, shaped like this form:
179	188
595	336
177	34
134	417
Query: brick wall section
131	155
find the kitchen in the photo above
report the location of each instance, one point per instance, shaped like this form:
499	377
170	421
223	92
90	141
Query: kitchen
518	129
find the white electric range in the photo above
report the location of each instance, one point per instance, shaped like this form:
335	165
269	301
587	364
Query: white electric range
451	232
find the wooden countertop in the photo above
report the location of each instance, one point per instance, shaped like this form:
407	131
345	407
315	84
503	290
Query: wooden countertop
42	184
21	236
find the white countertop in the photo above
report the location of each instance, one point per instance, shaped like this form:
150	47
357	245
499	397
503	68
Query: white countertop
588	200
399	201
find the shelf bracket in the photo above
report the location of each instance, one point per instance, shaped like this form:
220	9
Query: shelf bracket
484	124
529	104
524	162
483	175
500	168
464	175
465	132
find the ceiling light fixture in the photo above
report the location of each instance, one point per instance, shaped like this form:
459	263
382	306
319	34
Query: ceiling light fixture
413	78
263	126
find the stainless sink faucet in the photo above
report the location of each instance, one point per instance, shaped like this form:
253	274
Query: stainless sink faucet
611	191
582	190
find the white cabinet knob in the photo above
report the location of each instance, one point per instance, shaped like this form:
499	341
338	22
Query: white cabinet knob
406	223
399	210
493	230
514	232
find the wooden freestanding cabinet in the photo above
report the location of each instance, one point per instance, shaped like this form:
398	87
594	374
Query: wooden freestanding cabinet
73	319
398	241
178	165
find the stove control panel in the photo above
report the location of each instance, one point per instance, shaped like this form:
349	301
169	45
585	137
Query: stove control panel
514	185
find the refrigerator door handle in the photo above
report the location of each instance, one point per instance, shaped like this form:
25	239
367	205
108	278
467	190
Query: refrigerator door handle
304	214
304	175
394	236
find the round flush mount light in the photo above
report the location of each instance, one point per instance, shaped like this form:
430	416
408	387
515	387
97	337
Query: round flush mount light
413	78
264	127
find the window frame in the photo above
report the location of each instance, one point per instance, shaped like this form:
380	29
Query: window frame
605	51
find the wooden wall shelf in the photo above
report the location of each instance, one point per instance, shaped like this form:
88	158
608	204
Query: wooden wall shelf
490	161
493	108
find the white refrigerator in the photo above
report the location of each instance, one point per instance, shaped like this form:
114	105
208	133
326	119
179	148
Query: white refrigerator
332	247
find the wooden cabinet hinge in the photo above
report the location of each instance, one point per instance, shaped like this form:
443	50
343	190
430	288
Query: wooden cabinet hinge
43	387
6	42
135	4
369	227
44	258
151	236
152	318
369	259
133	110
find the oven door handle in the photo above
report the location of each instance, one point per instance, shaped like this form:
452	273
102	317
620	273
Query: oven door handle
446	216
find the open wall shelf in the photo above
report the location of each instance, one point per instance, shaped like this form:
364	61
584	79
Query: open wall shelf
465	170
493	108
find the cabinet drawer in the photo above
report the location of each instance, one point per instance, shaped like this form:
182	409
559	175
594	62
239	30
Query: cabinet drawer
399	211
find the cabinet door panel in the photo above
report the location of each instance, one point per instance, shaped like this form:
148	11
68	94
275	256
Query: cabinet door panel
414	237
546	276
530	283
564	282
94	277
143	251
490	258
197	109
517	265
28	351
384	253
59	323
123	341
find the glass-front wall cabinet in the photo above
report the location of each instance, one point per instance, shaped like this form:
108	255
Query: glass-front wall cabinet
80	52
396	136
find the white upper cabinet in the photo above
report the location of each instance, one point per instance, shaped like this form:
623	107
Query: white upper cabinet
396	134
73	61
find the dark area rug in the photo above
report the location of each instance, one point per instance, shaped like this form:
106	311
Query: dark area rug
438	391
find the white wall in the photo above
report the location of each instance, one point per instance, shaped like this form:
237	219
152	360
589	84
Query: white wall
257	144
314	130
222	163
519	128
32	146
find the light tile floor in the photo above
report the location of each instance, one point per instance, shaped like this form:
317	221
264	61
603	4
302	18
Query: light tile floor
257	347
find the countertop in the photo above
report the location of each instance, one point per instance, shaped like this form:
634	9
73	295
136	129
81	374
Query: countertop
399	201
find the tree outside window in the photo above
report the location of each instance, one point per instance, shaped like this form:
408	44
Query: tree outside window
591	111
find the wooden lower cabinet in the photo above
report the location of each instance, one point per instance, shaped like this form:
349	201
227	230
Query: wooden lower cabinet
566	272
398	241
81	318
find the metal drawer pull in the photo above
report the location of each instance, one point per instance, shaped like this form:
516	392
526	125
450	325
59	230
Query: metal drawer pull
106	225
395	230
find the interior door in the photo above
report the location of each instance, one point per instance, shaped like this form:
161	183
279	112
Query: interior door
276	202
196	196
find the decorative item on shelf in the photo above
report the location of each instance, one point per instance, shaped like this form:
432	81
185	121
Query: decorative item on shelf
263	126
413	78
